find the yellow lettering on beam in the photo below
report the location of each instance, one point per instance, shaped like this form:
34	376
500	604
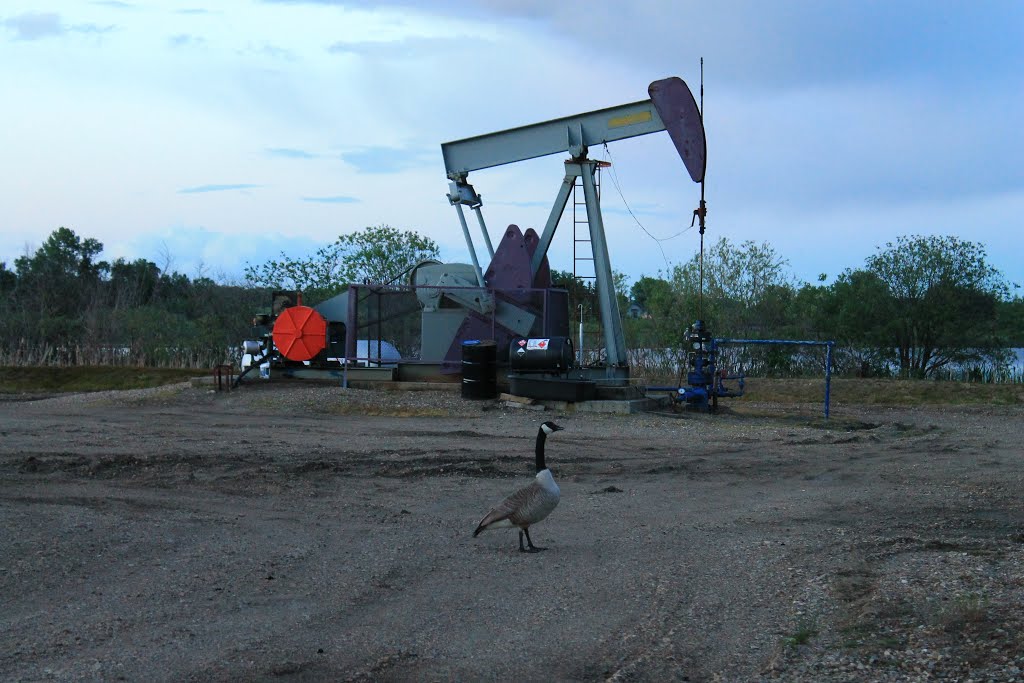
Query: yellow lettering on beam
630	119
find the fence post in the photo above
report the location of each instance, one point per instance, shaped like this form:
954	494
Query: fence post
828	375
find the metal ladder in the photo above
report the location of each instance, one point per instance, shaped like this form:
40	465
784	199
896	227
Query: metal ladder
579	206
580	218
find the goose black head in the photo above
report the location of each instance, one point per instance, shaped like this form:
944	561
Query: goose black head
542	434
550	427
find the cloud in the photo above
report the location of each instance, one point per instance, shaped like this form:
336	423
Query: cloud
41	25
197	250
35	25
184	39
116	4
338	199
779	44
217	188
496	8
269	50
336	3
290	153
193	10
388	159
93	29
411	47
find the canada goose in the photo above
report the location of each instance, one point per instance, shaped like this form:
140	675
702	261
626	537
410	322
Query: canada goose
529	504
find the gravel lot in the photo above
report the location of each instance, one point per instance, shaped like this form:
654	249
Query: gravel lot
295	532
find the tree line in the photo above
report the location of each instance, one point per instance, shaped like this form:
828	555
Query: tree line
916	308
921	306
62	305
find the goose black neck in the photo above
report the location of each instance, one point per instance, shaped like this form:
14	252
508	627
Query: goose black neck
541	436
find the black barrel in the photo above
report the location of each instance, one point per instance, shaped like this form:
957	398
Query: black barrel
552	355
479	369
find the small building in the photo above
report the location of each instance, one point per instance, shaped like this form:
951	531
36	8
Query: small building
635	310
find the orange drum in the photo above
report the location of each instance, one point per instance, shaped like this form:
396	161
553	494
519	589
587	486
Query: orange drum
300	333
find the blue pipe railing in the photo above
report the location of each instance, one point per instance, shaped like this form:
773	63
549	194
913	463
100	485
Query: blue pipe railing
787	342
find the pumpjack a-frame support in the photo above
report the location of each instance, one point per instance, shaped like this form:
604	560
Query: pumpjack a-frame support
671	108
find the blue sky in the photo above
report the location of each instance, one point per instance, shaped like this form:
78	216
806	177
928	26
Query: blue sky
205	135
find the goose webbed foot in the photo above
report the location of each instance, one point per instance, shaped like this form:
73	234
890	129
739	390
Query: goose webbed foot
531	548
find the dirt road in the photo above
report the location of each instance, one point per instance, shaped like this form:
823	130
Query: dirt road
301	533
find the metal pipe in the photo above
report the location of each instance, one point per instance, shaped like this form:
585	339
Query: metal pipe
561	199
771	342
351	322
580	350
483	229
469	243
779	342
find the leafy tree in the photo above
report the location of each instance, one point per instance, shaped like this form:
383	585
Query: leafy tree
379	254
64	255
737	279
663	319
857	311
746	292
647	290
581	290
1011	322
806	321
57	284
382	254
133	283
924	302
8	279
62	304
741	273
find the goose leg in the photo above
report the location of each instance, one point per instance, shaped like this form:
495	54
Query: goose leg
531	547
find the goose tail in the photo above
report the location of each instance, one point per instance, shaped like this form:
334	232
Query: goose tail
490	518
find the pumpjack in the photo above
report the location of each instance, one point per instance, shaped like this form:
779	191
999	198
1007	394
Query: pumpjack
521	258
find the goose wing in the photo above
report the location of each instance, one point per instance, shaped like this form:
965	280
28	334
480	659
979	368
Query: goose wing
513	508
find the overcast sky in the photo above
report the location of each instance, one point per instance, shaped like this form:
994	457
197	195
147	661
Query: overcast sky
204	135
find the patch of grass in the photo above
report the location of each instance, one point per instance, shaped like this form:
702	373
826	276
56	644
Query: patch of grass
18	380
890	392
865	634
964	610
804	632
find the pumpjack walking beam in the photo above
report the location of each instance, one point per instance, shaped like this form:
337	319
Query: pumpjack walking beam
671	107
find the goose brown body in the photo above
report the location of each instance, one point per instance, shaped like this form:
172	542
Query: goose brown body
530	504
526	506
